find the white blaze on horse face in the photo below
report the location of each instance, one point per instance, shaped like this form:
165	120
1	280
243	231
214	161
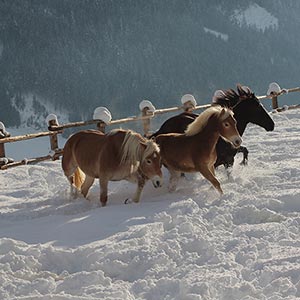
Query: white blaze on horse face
157	181
152	169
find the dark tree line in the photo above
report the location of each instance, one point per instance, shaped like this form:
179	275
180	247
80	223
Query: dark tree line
79	54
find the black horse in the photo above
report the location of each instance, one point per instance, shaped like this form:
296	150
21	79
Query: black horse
246	108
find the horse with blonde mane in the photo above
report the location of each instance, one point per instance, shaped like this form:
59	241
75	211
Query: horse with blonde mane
118	155
247	109
195	150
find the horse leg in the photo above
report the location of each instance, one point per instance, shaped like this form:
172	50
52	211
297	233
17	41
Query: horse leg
103	191
174	177
138	192
206	172
74	192
212	169
86	185
245	152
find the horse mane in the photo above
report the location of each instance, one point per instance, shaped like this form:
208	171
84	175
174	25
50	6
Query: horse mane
135	148
230	97
201	121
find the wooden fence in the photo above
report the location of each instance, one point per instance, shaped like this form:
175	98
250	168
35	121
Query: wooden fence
147	113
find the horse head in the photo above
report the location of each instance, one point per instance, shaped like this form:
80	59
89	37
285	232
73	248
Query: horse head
227	127
249	109
246	107
150	164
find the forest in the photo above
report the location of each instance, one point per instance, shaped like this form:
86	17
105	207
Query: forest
79	54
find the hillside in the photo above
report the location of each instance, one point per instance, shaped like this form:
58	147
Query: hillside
191	244
71	56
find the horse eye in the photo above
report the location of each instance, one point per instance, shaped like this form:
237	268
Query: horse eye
226	124
149	161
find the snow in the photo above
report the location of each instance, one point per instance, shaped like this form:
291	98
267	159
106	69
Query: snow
255	16
273	88
191	244
217	34
146	103
33	111
188	98
51	118
103	114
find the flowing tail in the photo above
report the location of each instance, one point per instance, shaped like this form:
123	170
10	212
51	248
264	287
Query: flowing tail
78	178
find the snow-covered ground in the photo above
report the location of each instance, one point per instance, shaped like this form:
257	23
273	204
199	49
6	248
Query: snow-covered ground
188	245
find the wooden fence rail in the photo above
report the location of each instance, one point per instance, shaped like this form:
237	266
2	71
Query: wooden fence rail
29	136
148	112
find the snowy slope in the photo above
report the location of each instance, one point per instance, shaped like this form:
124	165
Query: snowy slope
188	245
256	17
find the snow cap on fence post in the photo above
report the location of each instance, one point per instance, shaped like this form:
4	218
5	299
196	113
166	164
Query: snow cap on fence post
147	109
3	132
146	104
102	114
274	88
189	102
217	95
51	120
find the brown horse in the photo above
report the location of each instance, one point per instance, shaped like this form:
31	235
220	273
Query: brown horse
195	150
118	155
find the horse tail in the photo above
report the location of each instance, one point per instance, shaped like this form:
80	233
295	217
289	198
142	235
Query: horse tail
70	166
78	178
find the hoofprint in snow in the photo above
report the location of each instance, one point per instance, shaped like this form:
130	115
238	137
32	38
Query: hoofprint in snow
191	244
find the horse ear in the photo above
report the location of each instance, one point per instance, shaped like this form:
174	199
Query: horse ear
143	145
243	90
222	113
240	89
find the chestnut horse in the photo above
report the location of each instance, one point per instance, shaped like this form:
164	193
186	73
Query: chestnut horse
118	155
246	108
195	150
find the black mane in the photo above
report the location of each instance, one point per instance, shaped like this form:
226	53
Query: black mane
230	97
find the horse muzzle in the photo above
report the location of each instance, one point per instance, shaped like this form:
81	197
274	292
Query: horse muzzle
157	181
236	141
270	126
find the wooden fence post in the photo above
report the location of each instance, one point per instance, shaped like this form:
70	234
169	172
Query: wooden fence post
101	126
274	91
3	134
146	122
2	148
147	109
188	106
188	102
274	102
52	121
102	114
